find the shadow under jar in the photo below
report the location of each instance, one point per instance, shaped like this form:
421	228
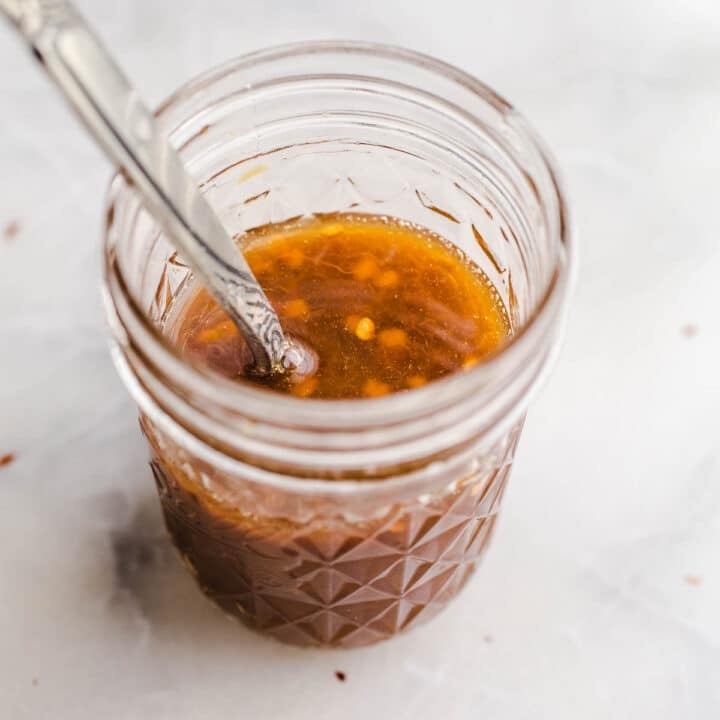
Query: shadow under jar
341	523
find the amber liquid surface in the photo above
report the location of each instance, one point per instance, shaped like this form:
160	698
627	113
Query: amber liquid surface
387	308
384	305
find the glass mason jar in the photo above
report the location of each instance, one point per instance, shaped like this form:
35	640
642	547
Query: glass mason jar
340	523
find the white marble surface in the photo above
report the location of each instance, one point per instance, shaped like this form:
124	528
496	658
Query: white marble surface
600	597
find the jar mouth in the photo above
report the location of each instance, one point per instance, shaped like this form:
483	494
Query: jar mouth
391	409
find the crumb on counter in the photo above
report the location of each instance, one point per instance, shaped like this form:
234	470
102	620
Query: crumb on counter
11	230
7	459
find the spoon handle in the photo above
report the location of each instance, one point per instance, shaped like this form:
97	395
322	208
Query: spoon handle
116	116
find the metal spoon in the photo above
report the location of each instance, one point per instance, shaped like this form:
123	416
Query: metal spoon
114	113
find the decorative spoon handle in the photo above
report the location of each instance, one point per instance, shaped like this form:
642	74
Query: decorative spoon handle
119	120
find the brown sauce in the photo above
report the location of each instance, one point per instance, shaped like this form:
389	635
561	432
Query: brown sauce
386	306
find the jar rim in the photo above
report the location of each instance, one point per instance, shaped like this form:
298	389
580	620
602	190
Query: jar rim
399	405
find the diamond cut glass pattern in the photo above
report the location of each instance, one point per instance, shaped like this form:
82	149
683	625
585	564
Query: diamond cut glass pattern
330	581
